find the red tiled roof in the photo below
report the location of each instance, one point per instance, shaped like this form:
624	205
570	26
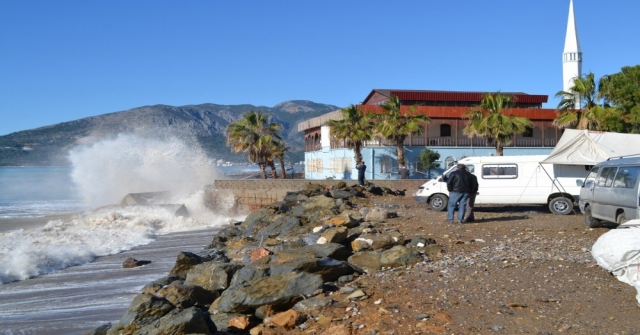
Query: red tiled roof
424	95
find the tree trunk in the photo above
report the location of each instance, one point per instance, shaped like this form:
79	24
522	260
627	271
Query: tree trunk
263	173
284	172
499	149
400	151
274	173
358	151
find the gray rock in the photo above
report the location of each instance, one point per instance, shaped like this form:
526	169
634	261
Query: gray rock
275	290
212	276
280	226
367	260
144	309
256	216
185	296
399	256
312	304
179	321
329	269
377	214
248	274
186	260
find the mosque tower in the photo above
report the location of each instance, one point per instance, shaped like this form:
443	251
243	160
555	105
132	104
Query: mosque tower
572	55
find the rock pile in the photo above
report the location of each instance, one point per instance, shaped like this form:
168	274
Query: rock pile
269	273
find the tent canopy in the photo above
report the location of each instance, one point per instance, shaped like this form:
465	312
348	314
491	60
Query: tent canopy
583	147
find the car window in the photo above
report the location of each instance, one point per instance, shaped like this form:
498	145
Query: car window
626	177
606	176
592	175
499	171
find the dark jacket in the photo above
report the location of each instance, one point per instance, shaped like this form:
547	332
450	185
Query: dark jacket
474	185
460	181
361	169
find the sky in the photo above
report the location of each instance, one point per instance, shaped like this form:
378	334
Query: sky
66	60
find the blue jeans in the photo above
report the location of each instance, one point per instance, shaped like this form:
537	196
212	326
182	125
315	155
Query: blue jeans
461	200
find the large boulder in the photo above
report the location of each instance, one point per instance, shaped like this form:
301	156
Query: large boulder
212	276
256	216
144	309
186	260
185	296
331	250
180	321
399	256
285	289
329	269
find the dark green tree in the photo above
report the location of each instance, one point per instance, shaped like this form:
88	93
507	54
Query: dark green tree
428	161
621	91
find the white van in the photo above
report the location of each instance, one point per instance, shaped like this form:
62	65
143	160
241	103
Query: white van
610	191
513	180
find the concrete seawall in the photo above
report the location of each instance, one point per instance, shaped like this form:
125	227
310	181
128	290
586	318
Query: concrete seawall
257	193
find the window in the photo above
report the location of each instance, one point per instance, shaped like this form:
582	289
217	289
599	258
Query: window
626	177
449	161
499	171
606	176
445	130
528	132
591	177
385	164
472	168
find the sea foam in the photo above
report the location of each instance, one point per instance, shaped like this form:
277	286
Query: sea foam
103	173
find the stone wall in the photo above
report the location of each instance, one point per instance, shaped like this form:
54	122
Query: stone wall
256	193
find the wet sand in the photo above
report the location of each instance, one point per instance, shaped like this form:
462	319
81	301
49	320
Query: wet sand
78	299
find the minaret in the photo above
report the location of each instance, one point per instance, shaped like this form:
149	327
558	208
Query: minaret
572	55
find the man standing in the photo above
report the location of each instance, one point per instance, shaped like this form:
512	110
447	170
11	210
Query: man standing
468	214
361	169
404	172
459	186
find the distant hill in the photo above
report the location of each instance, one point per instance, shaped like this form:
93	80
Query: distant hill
47	146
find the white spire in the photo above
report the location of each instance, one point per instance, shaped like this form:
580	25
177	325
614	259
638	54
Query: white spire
572	55
571	43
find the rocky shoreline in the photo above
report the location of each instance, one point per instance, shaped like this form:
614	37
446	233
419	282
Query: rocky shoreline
351	260
268	273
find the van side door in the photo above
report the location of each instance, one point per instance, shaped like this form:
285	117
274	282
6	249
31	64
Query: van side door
604	203
625	190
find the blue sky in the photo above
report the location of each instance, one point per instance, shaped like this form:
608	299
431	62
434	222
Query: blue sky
66	60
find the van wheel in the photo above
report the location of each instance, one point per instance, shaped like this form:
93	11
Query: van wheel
561	206
621	218
438	202
589	220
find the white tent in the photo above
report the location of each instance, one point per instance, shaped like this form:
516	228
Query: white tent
585	147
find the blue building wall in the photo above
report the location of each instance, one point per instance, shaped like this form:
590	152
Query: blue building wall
375	157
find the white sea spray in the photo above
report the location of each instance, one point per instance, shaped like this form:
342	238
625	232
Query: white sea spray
103	173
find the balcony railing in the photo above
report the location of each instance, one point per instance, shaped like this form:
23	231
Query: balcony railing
456	142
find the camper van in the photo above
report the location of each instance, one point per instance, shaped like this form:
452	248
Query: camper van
511	180
610	191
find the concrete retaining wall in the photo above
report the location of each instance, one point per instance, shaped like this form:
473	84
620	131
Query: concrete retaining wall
257	193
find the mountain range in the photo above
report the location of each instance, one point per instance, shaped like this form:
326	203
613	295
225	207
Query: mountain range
204	123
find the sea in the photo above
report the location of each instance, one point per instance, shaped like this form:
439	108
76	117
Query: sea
63	237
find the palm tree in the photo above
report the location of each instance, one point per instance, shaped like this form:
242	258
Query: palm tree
490	122
355	128
254	134
280	148
589	115
395	126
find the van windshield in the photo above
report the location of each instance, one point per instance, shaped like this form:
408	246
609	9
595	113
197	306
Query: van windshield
446	174
591	177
